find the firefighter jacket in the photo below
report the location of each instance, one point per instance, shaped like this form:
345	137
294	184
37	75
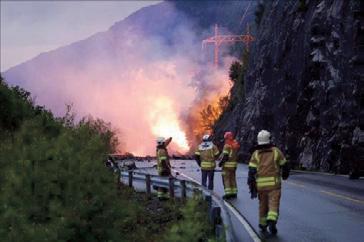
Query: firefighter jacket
231	151
207	152
163	164
268	163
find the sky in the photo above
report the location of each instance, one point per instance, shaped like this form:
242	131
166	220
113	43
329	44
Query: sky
160	90
29	28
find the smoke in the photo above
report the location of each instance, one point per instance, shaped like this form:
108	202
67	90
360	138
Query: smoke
145	85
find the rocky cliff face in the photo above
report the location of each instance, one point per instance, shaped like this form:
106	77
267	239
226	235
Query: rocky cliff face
304	81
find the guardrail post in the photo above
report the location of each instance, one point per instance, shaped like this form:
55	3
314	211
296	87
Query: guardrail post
147	184
208	199
130	179
118	183
183	189
215	215
219	231
171	187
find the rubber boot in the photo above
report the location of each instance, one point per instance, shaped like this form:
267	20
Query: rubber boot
272	227
226	196
263	228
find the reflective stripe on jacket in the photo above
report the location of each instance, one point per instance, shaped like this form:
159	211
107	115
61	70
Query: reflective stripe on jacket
268	162
232	162
207	152
163	165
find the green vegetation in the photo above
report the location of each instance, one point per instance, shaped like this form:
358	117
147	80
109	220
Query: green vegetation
194	225
211	113
237	74
52	175
54	186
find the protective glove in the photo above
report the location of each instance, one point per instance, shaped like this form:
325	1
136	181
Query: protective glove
252	182
253	194
285	176
253	190
223	160
198	160
285	171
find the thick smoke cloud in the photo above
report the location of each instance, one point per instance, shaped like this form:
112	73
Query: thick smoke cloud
142	84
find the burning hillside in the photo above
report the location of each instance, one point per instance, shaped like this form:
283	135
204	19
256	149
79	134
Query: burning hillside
146	75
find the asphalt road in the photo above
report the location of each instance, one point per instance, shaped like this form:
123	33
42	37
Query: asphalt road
314	206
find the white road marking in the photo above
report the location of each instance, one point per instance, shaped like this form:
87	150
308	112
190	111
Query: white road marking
295	183
241	219
319	173
342	196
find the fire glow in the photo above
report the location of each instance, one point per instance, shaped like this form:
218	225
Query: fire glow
145	87
165	123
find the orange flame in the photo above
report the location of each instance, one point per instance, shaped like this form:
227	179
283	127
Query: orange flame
165	123
204	114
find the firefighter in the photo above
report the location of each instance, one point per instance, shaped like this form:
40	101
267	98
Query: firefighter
163	165
205	155
267	165
229	164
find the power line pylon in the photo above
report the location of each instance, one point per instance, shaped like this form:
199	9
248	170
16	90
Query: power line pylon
218	39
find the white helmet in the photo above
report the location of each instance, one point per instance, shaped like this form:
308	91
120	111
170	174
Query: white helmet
160	140
263	137
206	137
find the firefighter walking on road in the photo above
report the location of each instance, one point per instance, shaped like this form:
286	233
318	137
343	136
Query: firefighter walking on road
163	164
229	163
205	155
266	167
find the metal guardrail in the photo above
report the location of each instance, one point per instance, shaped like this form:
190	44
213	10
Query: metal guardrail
217	209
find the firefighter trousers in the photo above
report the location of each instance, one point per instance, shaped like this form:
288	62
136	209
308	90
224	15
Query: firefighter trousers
269	205
162	192
210	175
229	181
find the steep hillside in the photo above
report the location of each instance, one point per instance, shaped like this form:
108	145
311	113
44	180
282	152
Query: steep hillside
142	66
304	81
160	23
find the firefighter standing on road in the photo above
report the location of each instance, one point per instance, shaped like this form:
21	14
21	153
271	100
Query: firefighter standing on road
266	167
205	155
163	164
229	164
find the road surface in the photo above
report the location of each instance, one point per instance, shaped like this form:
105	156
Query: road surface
314	206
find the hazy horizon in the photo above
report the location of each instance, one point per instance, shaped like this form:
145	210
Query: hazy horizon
33	27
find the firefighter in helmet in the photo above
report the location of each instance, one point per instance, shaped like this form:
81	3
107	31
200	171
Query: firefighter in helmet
229	164
266	167
163	164
205	155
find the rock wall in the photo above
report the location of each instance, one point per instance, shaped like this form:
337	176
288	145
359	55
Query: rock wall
304	82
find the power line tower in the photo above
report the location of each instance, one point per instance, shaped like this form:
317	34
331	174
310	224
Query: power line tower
218	39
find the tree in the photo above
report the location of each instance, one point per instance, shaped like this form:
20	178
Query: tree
235	71
54	186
